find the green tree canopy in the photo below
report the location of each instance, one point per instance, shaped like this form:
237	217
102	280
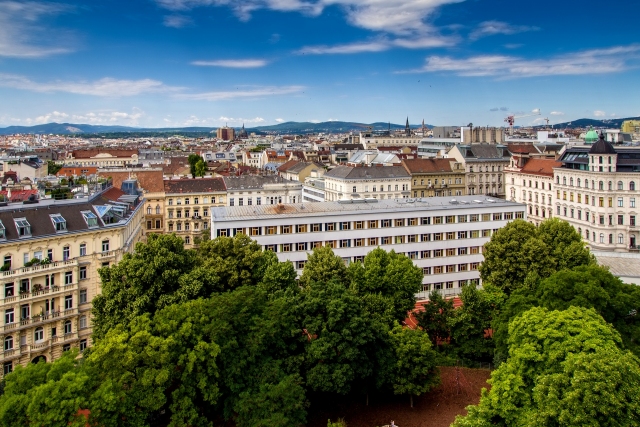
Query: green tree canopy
564	368
520	250
193	160
435	318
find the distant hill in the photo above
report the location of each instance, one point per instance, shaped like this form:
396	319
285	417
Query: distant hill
584	123
288	127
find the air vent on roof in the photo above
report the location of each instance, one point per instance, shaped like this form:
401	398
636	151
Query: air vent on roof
491	201
453	201
477	201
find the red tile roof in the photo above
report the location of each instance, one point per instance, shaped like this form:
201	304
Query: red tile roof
19	195
540	167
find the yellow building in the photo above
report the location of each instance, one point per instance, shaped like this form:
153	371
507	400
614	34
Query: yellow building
183	207
435	177
51	252
631	126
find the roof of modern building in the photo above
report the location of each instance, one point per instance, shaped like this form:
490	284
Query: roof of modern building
378	172
540	167
418	166
355	207
194	185
620	264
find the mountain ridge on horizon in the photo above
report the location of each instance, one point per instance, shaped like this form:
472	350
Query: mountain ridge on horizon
292	127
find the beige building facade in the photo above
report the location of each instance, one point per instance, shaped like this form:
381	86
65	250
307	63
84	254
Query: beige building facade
51	252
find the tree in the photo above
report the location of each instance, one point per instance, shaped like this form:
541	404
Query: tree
564	368
323	265
193	160
141	282
435	317
470	324
387	283
52	167
415	371
520	250
200	168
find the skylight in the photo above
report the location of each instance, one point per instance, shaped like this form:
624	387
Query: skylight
23	227
3	231
90	218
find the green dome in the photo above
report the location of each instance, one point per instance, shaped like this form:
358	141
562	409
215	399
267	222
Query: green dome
591	137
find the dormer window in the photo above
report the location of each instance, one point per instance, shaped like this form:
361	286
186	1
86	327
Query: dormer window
59	222
23	227
3	231
90	218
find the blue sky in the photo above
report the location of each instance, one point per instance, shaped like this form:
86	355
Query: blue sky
157	63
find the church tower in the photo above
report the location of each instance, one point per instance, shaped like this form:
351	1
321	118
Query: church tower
407	129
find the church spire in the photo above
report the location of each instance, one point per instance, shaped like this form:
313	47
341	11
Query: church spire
407	128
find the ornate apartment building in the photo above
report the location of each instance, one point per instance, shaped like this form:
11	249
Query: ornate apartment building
597	192
376	182
484	166
51	252
533	185
435	177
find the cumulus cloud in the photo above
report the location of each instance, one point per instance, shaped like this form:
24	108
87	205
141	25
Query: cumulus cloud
232	63
246	92
599	113
490	28
595	61
106	87
23	34
557	113
177	21
280	120
382	44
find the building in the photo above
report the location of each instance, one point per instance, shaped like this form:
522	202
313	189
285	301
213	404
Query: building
379	182
295	170
533	185
248	190
597	191
24	167
183	207
631	126
313	190
102	157
51	252
226	133
435	177
443	236
472	135
484	166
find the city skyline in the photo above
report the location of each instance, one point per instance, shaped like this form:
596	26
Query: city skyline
159	63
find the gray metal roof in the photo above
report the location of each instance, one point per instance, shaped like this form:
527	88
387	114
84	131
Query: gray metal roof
376	172
319	209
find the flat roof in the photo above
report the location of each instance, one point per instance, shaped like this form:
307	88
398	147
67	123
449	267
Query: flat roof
319	209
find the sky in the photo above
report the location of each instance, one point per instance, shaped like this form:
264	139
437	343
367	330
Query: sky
167	63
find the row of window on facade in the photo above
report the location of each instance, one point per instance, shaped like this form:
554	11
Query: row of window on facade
388	240
273	200
449	285
187	226
443	181
371	224
196	200
8	366
50	309
23	227
25	284
66	254
621	240
187	212
602	219
39	336
533	184
601	186
601	204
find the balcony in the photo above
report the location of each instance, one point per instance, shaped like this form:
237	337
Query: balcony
52	267
107	254
36	295
40	319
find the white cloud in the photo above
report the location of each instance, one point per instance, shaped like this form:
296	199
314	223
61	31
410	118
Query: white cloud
106	87
101	117
406	19
314	121
250	92
241	120
557	113
490	28
595	61
280	120
177	21
24	35
232	63
599	113
380	45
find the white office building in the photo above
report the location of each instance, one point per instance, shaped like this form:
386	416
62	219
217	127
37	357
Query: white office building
443	236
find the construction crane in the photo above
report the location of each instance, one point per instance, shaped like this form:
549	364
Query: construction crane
511	119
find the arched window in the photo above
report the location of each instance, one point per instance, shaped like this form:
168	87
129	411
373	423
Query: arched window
67	327
571	181
610	239
38	335
557	180
579	182
66	253
601	160
601	237
8	343
580	231
621	239
148	210
157	210
564	180
593	184
587	234
610	186
601	185
632	186
620	185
